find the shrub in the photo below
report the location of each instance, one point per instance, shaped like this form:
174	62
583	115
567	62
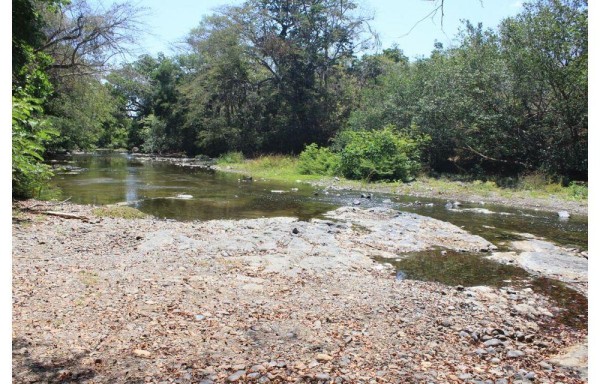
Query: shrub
318	161
29	134
380	155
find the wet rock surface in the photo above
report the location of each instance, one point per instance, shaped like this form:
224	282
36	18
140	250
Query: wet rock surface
543	258
127	301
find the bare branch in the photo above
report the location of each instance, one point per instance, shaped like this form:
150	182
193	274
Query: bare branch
81	38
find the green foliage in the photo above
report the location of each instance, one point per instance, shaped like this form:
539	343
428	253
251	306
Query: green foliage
154	134
29	133
578	191
86	114
380	155
231	158
315	160
499	103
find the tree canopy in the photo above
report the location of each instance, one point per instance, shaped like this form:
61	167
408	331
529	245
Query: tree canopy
275	76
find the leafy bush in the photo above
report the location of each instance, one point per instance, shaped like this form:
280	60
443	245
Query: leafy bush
380	155
318	161
29	134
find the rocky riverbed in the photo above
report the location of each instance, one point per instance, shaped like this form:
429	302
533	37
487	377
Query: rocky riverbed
111	300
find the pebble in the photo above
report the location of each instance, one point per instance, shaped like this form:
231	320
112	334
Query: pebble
142	353
324	357
492	343
513	353
322	376
236	376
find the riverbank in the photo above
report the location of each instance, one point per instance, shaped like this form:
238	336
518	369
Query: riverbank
536	195
113	300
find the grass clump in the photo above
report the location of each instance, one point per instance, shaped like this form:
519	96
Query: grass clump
122	212
231	158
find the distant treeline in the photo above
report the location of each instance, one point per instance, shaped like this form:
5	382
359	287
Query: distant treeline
274	76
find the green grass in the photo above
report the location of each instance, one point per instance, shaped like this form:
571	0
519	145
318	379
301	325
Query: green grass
231	158
285	168
275	167
123	212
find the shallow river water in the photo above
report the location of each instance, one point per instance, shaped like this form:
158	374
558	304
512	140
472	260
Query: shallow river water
169	191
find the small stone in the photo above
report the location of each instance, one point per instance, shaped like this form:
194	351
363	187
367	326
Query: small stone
492	343
513	353
295	231
236	376
529	338
563	214
530	375
446	323
480	352
324	357
344	361
253	375
199	317
142	353
495	360
356	202
545	365
322	376
460	288
257	368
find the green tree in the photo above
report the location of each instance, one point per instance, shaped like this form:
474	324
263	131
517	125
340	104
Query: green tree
85	113
546	49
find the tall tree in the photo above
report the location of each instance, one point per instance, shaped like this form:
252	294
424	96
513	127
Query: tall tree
547	51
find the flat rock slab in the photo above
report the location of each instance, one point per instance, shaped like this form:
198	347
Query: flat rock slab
392	232
347	241
547	259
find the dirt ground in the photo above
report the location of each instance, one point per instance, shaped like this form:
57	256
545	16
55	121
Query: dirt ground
110	300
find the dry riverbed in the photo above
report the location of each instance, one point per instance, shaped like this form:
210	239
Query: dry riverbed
110	300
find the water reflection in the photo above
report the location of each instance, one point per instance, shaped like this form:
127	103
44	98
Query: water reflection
154	186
